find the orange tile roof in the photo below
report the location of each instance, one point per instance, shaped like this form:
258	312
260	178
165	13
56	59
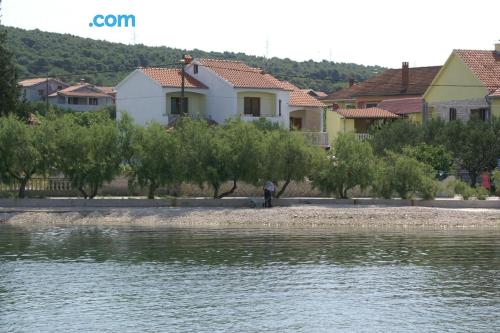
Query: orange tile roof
484	64
302	98
107	90
343	94
171	77
402	105
366	113
88	91
496	93
32	82
285	85
239	74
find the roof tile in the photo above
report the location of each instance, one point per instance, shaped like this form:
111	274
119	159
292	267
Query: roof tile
484	64
366	113
402	105
171	77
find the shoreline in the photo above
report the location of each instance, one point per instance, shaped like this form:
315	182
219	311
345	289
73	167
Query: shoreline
300	216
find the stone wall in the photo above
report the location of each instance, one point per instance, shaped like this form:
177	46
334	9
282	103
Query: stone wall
463	107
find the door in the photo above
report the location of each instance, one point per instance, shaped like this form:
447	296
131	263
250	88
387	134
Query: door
295	123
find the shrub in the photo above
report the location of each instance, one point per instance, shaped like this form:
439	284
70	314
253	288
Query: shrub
405	176
463	189
481	193
496	181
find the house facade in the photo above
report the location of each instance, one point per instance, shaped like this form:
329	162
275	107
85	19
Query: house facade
356	121
81	97
216	90
37	89
467	86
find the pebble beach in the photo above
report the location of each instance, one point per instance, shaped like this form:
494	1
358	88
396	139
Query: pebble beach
296	216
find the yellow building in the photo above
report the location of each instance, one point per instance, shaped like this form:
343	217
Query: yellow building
468	85
356	121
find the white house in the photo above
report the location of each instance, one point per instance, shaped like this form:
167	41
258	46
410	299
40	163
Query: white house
35	89
81	97
214	89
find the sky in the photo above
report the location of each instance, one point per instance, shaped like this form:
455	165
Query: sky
368	32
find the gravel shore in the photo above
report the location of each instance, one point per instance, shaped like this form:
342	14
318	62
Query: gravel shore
297	216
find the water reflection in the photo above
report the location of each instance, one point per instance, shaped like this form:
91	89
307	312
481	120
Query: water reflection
136	278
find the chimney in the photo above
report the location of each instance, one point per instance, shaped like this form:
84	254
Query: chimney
187	59
405	75
497	48
351	82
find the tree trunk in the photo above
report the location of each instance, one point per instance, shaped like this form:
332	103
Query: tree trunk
283	188
94	191
82	191
216	190
22	187
152	190
231	191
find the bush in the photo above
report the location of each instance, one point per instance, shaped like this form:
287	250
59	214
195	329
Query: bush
405	176
496	181
481	193
463	189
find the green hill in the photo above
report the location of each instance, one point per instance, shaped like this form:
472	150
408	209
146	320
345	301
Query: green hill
38	53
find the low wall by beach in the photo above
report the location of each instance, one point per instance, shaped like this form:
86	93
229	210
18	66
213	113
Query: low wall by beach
243	202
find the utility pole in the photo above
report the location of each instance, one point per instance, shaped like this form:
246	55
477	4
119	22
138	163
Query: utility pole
183	74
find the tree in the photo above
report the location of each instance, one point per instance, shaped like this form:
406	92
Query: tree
241	151
155	160
437	156
404	175
9	89
395	135
350	164
25	150
88	156
287	157
474	144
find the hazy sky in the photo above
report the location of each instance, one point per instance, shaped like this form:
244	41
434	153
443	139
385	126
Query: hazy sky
370	32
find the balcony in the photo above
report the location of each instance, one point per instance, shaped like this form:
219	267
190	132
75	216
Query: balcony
362	136
274	120
316	138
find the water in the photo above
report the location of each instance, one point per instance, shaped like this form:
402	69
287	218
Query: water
130	279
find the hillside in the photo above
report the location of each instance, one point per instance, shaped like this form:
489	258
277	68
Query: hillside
38	53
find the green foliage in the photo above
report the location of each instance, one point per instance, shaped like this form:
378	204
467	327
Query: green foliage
436	156
88	156
395	135
286	157
481	193
496	181
39	52
25	150
404	175
155	159
9	89
463	189
349	164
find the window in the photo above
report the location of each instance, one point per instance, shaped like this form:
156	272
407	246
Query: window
252	106
371	105
295	124
73	100
59	87
41	92
92	101
453	114
175	105
481	114
279	107
195	69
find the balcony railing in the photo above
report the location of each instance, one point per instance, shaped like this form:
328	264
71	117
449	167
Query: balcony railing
363	136
316	138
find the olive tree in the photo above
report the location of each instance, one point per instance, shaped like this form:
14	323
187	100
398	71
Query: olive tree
349	164
25	150
88	156
286	157
155	157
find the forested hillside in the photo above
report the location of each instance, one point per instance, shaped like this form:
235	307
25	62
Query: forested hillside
38	53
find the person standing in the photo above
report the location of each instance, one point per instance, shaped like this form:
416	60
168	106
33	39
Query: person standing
268	193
